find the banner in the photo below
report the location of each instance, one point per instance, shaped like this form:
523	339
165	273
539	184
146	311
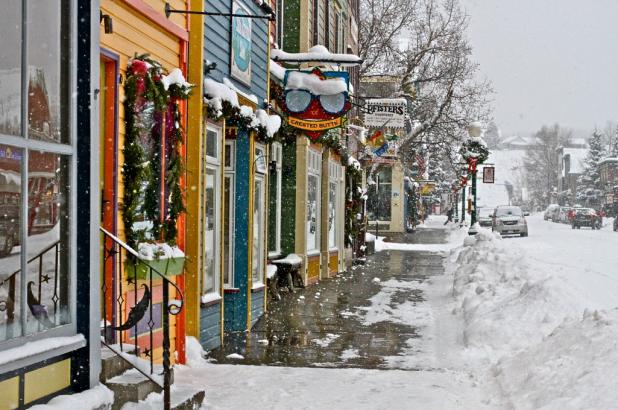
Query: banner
241	45
386	112
312	125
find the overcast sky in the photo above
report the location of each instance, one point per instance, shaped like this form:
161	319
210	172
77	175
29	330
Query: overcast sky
549	60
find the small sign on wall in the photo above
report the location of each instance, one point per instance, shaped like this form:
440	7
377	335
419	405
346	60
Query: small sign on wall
489	175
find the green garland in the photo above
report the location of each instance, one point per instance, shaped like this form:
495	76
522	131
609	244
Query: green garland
144	90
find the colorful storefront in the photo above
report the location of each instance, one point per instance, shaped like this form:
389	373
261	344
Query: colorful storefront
234	171
143	58
48	238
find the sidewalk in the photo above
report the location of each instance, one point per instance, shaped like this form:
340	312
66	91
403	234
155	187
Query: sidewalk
359	319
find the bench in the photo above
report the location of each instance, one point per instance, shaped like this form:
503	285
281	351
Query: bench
286	274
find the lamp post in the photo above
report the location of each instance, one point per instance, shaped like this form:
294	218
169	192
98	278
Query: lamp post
464	183
474	130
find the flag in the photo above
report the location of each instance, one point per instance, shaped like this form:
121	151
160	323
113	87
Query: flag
420	161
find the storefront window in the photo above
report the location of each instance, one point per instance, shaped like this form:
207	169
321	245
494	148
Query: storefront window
259	209
211	219
332	214
313	201
379	195
274	200
10	69
228	215
36	195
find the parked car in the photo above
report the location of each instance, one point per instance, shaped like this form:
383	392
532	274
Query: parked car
510	220
586	217
485	217
549	212
563	214
558	212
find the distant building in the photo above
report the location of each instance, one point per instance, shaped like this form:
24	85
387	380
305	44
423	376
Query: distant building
516	142
571	162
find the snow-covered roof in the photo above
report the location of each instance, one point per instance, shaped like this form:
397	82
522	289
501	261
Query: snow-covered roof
298	80
608	160
316	54
516	140
578	156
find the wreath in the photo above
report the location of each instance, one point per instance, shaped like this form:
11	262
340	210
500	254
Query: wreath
474	148
149	94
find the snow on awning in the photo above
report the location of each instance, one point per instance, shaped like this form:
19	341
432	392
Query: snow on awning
298	80
215	93
276	70
316	54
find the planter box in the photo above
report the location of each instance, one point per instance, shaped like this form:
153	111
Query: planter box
166	267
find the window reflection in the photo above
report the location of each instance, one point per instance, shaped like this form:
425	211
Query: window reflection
10	249
47	70
10	69
209	232
47	279
312	212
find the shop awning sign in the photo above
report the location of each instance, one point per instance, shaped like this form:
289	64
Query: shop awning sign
313	125
386	112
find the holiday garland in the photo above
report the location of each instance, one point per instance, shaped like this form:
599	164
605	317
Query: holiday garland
149	93
474	148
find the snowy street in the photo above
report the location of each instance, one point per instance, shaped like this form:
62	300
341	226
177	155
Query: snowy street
484	331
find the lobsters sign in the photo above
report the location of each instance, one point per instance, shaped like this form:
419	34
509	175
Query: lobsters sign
385	112
316	100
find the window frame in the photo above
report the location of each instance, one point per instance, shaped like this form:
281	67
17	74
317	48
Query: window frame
212	164
334	177
69	149
230	172
259	178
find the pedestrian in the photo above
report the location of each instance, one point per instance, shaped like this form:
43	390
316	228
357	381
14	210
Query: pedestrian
449	215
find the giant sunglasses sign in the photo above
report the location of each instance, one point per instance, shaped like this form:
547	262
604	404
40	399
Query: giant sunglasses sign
316	100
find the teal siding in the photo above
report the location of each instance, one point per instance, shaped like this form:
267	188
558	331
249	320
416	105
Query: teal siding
210	329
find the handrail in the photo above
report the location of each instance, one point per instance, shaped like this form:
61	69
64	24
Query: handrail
137	313
145	261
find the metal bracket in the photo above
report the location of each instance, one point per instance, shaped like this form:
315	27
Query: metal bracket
271	16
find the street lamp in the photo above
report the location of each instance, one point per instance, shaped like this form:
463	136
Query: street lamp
474	131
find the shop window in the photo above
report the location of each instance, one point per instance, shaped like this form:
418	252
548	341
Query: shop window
228	214
37	201
333	201
258	216
379	195
313	201
211	215
274	200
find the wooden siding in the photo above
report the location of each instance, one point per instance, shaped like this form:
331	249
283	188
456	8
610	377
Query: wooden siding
210	329
217	39
333	264
313	269
257	305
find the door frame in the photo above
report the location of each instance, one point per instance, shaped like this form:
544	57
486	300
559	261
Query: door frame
110	63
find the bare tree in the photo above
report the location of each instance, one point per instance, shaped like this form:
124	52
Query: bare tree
542	162
423	44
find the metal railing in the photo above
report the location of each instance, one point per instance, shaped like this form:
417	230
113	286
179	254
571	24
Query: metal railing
126	272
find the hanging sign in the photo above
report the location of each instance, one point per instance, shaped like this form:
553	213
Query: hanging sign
241	45
489	175
386	112
316	100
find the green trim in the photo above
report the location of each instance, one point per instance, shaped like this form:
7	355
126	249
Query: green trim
166	267
291	26
288	199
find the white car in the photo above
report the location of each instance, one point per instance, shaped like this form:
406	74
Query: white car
510	220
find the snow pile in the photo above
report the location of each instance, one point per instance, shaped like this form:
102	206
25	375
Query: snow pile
353	162
573	368
217	93
156	251
316	54
276	70
40	346
506	305
95	398
175	77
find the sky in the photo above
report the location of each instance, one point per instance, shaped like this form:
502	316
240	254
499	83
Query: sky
550	61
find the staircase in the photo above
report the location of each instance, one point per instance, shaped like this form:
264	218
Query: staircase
123	370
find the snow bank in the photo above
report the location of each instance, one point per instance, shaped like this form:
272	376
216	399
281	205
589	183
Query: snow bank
523	322
94	398
574	367
506	304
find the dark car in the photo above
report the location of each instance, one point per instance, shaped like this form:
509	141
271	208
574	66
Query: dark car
485	217
585	217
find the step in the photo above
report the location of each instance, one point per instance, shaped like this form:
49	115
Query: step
190	401
131	386
113	365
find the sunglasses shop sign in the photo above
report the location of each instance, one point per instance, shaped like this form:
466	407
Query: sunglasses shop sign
386	112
